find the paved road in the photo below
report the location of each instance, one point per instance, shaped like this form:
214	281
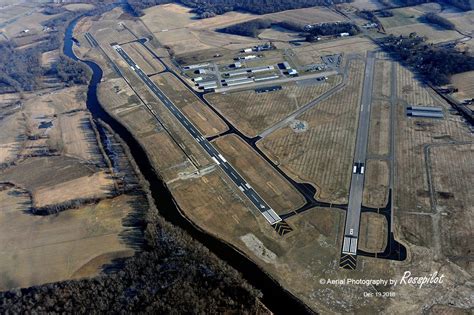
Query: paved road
351	230
246	189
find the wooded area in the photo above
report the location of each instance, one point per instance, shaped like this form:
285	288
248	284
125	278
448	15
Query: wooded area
434	64
207	8
440	21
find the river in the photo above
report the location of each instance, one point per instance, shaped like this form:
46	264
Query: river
278	300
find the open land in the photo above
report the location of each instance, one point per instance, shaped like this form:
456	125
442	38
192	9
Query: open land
253	112
143	58
70	245
322	155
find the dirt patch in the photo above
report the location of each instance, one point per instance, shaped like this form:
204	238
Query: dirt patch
373	232
376	184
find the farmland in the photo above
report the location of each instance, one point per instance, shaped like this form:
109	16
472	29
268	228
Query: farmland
323	154
252	113
71	245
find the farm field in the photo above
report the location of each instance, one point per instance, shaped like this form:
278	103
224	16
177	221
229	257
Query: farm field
433	34
252	113
143	58
203	117
322	155
73	244
281	196
55	180
307	16
175	26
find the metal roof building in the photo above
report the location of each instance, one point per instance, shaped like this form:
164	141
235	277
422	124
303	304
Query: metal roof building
425	108
425	114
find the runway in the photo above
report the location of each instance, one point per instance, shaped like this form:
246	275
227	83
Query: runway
351	229
268	213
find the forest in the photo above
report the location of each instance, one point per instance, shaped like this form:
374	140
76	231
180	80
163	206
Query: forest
250	28
434	64
21	69
208	8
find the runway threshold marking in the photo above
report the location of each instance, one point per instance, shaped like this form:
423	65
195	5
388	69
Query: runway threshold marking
282	228
348	261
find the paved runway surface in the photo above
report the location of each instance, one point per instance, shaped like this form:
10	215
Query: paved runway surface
246	189
351	230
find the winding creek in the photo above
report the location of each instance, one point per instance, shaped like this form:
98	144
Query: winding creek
275	297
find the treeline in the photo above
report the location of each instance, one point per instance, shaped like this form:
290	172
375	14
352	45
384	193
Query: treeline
329	29
434	18
461	4
250	28
207	8
435	64
176	276
70	71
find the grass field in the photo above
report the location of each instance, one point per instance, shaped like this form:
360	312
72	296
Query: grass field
373	232
176	27
376	184
143	58
73	244
252	113
273	188
463	82
54	180
323	154
412	135
307	16
434	35
200	115
451	166
379	130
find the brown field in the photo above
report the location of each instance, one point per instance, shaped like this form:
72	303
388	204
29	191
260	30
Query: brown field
463	81
273	188
433	34
175	26
307	16
311	53
367	5
376	184
200	115
451	166
49	57
382	79
73	244
143	58
463	20
323	154
95	186
373	232
54	180
11	137
252	113
411	135
379	130
79	6
32	22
